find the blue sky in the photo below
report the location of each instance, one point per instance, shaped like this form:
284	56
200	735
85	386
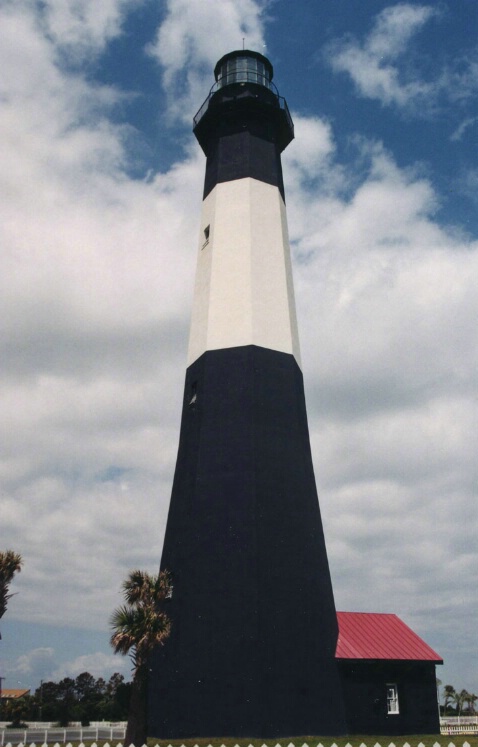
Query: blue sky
101	198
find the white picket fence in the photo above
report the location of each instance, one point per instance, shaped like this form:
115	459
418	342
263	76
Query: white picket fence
39	737
459	725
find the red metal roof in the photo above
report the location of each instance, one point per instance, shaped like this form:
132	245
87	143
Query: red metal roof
373	635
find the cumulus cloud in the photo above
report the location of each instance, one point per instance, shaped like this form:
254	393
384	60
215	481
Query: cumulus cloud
84	28
310	156
383	66
42	664
34	665
98	665
92	280
372	64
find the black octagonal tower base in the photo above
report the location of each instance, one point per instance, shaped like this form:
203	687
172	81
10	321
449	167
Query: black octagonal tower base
252	649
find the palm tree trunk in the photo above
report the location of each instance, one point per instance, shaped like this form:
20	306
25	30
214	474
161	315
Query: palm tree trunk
137	729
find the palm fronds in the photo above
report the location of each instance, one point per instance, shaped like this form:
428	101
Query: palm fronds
10	563
140	624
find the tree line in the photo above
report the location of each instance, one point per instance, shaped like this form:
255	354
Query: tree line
83	699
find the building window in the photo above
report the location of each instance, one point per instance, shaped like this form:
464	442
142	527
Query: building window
392	699
193	394
207	231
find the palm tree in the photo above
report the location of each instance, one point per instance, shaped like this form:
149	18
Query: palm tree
472	698
138	627
449	695
10	563
460	700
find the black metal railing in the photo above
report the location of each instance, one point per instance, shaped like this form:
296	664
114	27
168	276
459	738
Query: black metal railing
238	78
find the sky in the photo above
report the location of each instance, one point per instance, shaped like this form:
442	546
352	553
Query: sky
101	188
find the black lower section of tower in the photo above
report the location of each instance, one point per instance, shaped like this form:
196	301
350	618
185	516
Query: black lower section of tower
254	630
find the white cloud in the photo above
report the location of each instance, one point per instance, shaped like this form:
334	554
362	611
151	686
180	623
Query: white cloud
98	665
462	128
84	28
42	664
309	156
372	65
94	277
394	28
383	68
32	666
192	38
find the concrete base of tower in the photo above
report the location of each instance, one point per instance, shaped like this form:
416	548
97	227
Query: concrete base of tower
252	649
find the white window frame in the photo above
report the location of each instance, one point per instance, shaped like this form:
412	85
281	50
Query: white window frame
392	699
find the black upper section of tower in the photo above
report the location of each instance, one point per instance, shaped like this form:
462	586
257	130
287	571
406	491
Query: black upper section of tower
244	125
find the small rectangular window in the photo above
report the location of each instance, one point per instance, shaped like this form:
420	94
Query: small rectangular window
193	394
207	231
392	699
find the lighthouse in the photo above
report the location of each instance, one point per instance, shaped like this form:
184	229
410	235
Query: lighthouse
254	626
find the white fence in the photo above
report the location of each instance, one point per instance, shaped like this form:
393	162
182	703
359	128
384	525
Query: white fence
32	736
459	725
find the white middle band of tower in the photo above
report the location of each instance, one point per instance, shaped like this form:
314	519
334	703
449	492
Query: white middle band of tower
244	292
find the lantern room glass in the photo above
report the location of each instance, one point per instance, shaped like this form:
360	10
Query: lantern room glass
243	69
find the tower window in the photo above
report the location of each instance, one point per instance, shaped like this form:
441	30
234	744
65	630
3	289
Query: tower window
193	395
392	699
207	231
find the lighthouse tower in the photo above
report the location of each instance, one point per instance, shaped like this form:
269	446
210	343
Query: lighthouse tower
254	633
